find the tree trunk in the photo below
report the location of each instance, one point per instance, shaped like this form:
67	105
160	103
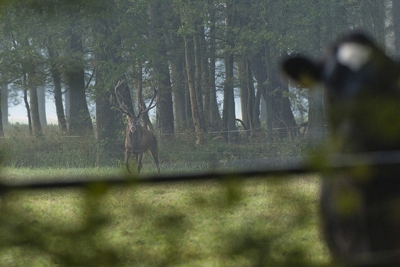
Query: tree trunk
269	94
198	75
373	17
396	25
56	76
67	101
214	116
109	123
165	114
80	122
178	80
34	106
62	123
41	93
316	129
26	101
140	101
286	118
4	105
244	93
198	127
316	98
256	110
206	80
283	118
247	96
188	106
261	72
1	113
228	111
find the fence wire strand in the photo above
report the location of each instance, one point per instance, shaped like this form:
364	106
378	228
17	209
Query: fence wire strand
288	168
282	168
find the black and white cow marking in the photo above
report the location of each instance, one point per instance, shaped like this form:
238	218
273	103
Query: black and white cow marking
360	209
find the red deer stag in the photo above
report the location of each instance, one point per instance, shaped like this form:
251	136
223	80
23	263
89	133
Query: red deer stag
137	139
359	208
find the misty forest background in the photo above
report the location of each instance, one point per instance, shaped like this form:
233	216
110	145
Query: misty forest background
199	54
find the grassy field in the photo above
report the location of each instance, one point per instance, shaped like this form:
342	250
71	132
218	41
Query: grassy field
259	222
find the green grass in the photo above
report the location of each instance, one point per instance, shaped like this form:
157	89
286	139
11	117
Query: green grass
259	222
52	173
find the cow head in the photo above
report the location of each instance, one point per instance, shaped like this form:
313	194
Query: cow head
362	89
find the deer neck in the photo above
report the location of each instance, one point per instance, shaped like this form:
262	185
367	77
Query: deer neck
135	138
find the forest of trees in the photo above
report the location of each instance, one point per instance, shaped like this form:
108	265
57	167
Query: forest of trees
191	50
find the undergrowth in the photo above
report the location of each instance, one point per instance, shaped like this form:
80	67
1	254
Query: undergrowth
53	150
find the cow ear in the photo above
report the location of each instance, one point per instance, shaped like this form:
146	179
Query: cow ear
302	70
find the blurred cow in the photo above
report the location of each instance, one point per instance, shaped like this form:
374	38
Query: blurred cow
360	208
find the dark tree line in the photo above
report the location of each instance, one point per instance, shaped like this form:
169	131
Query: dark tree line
199	54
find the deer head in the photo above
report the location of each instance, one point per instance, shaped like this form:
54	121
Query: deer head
133	120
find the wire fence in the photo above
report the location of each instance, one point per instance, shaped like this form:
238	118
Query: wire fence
273	165
288	168
282	168
55	150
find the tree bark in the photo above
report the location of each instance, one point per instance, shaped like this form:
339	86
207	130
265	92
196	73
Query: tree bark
26	102
34	106
178	81
198	75
244	93
228	111
165	115
1	111
261	72
140	101
41	93
56	76
213	117
315	97
4	105
247	96
396	25
198	126
178	77
80	122
109	122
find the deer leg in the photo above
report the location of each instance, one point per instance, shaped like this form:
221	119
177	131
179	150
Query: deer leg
127	154
154	153
139	161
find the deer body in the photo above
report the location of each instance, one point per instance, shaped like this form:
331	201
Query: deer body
137	139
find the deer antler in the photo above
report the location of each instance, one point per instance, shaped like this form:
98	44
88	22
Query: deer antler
141	112
122	108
